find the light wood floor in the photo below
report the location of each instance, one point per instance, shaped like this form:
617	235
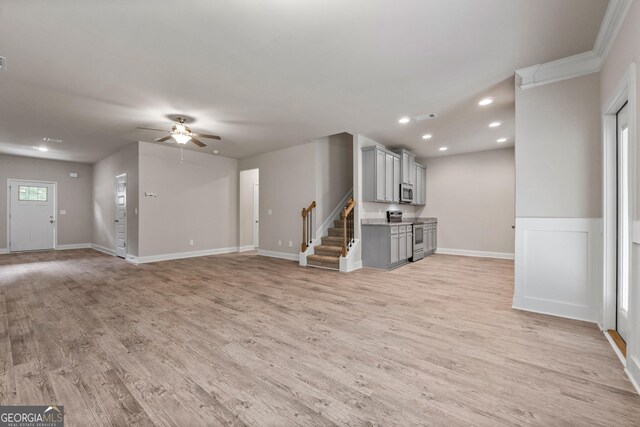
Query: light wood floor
241	339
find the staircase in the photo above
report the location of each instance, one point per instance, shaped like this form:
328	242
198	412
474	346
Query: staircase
336	243
328	253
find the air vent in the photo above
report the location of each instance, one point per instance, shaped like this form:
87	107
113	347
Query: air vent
425	117
3	63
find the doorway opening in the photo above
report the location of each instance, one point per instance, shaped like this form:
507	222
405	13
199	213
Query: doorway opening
31	216
619	208
249	233
121	215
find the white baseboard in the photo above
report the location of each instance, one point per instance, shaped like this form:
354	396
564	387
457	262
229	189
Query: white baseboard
131	258
246	248
280	255
73	246
182	255
479	254
102	249
633	372
4	251
554	308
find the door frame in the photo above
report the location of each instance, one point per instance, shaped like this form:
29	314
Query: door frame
55	208
625	92
126	208
256	210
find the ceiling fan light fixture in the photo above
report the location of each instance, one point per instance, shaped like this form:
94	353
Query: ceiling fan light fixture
181	138
180	128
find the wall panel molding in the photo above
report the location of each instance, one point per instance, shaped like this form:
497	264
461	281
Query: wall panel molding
558	267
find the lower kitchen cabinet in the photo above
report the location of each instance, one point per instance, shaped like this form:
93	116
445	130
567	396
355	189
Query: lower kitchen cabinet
386	246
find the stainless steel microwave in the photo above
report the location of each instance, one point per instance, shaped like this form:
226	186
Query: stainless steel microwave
406	193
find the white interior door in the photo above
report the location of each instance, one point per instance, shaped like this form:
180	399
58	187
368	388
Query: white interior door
624	225
256	215
121	215
32	217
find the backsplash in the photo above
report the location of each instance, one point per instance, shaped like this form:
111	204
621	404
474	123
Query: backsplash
373	210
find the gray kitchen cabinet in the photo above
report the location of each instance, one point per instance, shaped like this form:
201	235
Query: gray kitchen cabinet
407	164
386	246
380	175
393	248
388	180
402	245
396	179
420	187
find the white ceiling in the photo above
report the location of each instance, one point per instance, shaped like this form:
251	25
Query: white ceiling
274	73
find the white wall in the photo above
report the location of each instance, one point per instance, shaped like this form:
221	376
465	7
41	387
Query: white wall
334	172
104	199
74	194
196	200
558	161
624	52
287	185
472	195
248	180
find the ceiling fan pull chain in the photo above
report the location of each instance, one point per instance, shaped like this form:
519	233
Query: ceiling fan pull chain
181	156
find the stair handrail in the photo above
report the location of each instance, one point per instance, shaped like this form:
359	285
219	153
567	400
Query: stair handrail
347	226
307	226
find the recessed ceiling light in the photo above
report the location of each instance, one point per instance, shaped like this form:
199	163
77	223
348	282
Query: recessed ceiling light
443	148
427	136
404	120
215	151
502	140
494	124
41	148
485	101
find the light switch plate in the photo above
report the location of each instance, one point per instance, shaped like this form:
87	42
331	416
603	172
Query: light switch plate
63	212
269	212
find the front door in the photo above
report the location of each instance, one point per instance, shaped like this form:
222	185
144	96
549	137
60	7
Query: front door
32	216
624	226
121	215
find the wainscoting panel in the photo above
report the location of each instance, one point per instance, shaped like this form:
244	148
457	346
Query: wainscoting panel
558	266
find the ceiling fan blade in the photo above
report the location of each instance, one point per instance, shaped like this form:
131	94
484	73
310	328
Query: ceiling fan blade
159	130
198	143
203	135
166	138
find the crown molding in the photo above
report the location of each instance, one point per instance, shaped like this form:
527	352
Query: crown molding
582	63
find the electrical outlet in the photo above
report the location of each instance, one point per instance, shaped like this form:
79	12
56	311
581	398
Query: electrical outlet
279	242
290	244
190	242
269	212
135	211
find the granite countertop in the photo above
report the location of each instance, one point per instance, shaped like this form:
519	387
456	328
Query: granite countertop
407	221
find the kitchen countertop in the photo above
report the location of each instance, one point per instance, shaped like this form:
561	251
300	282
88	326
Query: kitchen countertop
407	221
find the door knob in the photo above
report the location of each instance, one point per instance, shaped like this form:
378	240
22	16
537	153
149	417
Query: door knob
116	220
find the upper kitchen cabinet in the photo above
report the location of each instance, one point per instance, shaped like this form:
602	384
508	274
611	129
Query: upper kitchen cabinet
381	174
408	169
420	194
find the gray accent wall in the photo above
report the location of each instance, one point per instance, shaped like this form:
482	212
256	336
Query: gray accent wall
104	199
74	194
287	184
558	150
196	200
472	195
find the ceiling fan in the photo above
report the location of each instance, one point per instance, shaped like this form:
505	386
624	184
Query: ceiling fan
182	134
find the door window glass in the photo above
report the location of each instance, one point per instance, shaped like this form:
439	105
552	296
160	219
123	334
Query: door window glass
32	194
